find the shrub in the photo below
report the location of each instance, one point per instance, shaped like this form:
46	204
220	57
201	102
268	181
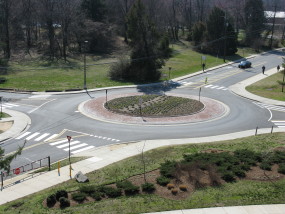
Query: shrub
130	190
61	193
167	168
148	187
162	180
170	186
51	200
97	195
3	80
64	202
183	187
112	192
123	184
120	70
174	191
247	156
78	196
88	189
281	168
128	187
265	166
228	177
278	157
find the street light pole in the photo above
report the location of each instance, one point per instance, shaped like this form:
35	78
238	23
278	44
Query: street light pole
84	59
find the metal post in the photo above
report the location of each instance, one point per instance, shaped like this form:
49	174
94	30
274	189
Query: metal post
1	107
2	180
271	129
106	97
169	73
85	87
49	163
282	84
199	93
256	130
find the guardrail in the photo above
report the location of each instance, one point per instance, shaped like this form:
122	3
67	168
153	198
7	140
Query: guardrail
44	162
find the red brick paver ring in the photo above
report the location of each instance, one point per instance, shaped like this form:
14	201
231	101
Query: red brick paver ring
96	110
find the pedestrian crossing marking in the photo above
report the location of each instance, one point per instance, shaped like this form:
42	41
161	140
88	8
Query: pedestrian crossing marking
50	138
32	136
270	107
42	136
83	149
67	144
75	147
58	142
23	135
279	123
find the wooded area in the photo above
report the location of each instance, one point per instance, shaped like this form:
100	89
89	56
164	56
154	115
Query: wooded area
56	29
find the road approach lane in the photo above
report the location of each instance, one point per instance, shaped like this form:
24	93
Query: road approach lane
61	116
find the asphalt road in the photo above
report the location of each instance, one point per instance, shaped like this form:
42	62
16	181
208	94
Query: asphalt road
59	115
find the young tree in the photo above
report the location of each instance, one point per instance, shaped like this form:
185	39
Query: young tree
145	40
94	9
198	32
254	20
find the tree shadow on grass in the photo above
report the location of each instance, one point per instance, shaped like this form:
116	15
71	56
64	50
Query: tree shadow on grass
158	88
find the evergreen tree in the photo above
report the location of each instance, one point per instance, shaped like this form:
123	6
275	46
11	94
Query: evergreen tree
146	45
95	9
198	32
6	161
219	30
255	19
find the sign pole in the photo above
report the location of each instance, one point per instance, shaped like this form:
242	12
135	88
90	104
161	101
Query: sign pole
69	138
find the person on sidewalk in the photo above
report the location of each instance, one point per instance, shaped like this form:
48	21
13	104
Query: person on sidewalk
263	69
203	66
278	68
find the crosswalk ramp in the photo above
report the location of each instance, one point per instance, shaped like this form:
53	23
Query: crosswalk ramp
8	105
279	123
271	107
75	146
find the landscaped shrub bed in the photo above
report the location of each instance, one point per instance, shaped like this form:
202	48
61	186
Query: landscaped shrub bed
154	106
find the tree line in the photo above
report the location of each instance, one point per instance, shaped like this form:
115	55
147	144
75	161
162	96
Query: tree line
59	28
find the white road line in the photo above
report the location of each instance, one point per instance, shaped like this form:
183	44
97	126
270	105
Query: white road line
207	86
39	106
44	96
99	137
51	137
214	86
9	105
220	87
75	147
278	121
104	138
42	136
67	144
58	142
117	140
81	150
32	136
225	89
23	135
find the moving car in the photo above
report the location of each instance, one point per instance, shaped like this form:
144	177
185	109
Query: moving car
244	64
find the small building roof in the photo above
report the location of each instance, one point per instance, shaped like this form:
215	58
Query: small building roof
279	14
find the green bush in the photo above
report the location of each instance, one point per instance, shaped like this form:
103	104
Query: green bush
281	168
237	170
64	202
61	193
111	192
265	166
51	200
123	184
278	157
3	80
247	156
167	168
148	187
162	180
97	195
79	196
228	177
88	189
128	187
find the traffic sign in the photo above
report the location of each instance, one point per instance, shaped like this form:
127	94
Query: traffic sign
17	171
68	138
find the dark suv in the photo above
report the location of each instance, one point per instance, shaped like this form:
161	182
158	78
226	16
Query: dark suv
244	64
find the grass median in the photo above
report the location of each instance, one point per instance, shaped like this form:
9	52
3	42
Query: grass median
242	192
269	87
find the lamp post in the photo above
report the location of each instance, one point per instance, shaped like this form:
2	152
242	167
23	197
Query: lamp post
84	59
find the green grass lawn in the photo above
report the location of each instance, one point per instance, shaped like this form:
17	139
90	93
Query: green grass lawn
4	115
269	87
242	192
40	75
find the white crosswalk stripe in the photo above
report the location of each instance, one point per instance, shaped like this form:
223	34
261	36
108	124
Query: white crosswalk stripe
23	135
83	149
271	107
67	144
32	136
279	123
8	105
77	146
42	136
51	137
217	87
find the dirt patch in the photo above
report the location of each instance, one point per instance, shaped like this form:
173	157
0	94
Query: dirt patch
4	126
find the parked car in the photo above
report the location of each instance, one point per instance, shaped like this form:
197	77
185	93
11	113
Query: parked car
244	64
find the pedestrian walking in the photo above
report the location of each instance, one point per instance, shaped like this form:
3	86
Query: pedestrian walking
203	65
278	68
263	69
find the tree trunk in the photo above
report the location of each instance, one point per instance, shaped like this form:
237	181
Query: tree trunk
7	48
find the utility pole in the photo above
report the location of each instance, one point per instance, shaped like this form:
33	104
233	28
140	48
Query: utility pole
84	86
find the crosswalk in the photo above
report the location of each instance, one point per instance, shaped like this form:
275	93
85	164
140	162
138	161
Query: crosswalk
8	105
76	146
217	87
279	123
271	107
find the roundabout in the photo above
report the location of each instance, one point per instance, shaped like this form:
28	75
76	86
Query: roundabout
141	109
